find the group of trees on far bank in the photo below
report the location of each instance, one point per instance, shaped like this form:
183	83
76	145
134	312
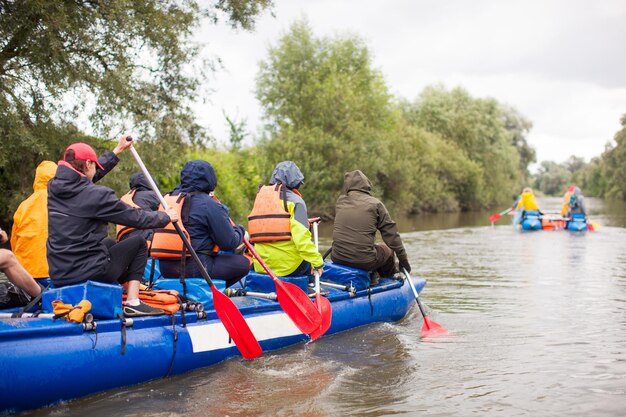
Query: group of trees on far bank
604	176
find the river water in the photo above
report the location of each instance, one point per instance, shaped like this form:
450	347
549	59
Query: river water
537	327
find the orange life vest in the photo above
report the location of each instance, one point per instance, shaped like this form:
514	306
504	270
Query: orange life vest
166	243
269	220
168	300
127	198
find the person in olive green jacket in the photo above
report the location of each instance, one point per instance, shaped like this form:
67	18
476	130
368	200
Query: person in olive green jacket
358	215
296	255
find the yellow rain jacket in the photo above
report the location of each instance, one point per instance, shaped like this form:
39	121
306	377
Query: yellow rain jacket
565	206
527	202
30	224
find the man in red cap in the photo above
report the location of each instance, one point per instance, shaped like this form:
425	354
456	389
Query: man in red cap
79	211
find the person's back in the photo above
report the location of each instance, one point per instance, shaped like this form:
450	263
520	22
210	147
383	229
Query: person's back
210	230
297	254
358	215
528	202
576	203
30	224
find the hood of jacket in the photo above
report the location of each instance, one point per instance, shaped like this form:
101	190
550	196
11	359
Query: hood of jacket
199	176
356	181
67	182
577	192
43	174
139	182
288	174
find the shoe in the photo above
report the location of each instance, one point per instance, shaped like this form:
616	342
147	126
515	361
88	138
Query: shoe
141	310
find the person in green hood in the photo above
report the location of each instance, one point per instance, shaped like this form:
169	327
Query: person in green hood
358	215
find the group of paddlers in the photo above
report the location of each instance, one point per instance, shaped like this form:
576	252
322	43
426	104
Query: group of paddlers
67	218
573	202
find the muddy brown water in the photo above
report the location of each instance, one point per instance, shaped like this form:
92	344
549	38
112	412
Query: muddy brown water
537	328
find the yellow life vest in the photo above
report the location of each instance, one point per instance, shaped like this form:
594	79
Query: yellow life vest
269	220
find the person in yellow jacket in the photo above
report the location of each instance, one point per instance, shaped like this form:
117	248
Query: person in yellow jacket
527	201
30	224
566	198
286	248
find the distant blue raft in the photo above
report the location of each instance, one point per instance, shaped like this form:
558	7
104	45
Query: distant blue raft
43	361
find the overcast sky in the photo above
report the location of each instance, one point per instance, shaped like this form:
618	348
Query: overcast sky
561	63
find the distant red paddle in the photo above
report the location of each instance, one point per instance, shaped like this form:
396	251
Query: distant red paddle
430	327
496	216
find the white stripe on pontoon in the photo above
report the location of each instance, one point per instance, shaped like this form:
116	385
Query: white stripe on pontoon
214	336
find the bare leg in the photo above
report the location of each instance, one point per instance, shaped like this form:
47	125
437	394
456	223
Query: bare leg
132	293
17	274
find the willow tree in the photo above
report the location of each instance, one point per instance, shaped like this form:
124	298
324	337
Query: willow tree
111	64
484	130
327	108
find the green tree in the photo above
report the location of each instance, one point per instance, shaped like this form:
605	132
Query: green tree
552	178
327	109
117	64
574	164
614	165
518	126
477	127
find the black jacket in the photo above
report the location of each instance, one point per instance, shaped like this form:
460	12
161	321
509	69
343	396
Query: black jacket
78	215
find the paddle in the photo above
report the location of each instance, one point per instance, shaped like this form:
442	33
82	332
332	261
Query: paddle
430	327
292	299
322	303
231	317
294	302
496	216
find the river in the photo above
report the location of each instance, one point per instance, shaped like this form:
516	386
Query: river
537	327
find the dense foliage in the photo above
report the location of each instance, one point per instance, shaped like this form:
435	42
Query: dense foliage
330	111
116	64
605	176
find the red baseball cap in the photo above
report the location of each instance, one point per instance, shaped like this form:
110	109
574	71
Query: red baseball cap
82	152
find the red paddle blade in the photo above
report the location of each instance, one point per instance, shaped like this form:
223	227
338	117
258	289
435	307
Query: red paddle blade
591	227
298	306
432	328
323	306
494	217
236	325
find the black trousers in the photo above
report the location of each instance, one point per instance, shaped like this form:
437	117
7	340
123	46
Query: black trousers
128	260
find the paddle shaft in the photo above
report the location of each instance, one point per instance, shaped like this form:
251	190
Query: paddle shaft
417	298
155	188
317	246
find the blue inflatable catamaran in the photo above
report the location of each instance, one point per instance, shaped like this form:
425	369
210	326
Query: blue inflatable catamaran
45	361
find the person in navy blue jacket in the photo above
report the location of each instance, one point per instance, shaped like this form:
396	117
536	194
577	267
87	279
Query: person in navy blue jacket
79	211
208	224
